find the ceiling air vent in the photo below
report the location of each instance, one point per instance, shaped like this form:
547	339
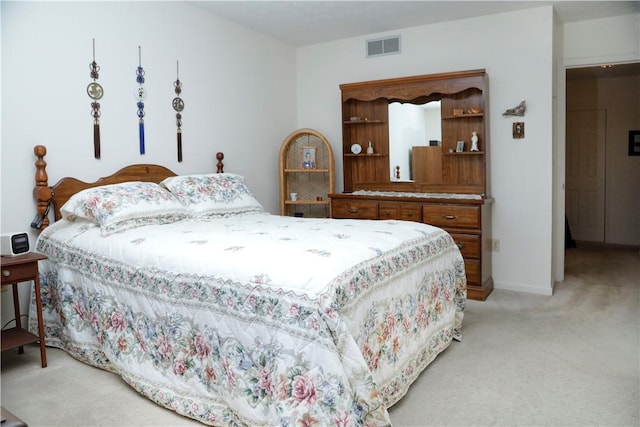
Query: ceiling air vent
385	46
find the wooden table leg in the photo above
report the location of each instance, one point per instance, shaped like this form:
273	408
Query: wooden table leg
43	351
16	311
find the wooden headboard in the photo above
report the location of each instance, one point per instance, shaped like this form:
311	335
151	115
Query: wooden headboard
60	192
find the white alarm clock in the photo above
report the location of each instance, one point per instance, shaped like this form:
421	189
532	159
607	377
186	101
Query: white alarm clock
14	244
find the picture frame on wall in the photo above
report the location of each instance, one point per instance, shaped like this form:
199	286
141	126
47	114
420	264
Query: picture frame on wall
308	157
634	142
518	130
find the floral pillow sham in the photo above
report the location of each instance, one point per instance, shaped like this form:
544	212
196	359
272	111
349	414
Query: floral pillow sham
211	195
119	207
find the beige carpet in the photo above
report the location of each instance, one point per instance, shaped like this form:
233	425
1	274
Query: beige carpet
571	359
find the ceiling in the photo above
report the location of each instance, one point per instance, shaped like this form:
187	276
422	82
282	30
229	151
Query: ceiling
301	23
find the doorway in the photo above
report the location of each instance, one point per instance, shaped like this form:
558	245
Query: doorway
601	198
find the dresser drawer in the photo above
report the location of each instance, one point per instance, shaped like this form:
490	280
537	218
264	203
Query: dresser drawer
472	270
388	210
403	211
357	209
19	272
410	212
469	244
454	216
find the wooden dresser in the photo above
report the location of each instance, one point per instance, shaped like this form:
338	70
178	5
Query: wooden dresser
447	185
467	220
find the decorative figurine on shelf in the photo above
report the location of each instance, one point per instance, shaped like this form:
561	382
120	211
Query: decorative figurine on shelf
474	141
370	148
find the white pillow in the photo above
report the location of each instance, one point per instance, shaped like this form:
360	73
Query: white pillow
119	207
218	194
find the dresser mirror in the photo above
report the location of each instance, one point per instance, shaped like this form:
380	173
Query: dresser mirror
412	126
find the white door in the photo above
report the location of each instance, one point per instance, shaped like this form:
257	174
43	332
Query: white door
585	174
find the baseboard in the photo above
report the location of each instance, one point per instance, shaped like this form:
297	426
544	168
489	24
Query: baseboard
522	288
603	245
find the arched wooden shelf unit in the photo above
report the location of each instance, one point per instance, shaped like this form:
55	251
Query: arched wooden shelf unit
307	169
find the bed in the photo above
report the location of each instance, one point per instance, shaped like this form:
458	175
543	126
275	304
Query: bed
211	307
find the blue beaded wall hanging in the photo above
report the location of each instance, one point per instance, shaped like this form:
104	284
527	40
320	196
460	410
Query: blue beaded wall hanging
141	95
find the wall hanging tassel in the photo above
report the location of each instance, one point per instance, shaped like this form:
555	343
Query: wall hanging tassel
141	95
95	92
179	135
178	106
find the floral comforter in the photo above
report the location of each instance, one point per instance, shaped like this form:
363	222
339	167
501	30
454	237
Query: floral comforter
257	319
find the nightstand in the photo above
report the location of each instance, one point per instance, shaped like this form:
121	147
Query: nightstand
16	269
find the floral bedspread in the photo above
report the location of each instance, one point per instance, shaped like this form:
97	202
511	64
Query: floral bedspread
257	320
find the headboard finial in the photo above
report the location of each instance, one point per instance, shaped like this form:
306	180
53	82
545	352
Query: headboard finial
220	165
40	150
41	192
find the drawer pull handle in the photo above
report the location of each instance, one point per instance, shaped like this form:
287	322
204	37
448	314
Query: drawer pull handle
410	214
6	273
450	216
353	210
459	245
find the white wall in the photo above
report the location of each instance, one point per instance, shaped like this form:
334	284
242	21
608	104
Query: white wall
516	49
559	91
238	88
600	41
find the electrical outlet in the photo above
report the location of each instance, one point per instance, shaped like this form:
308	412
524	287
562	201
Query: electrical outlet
495	245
